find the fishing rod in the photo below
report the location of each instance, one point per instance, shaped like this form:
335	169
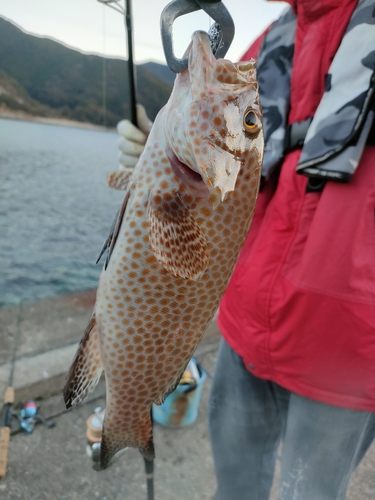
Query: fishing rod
128	21
149	469
149	464
131	66
8	402
126	11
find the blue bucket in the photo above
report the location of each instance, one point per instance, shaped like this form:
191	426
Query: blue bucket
181	406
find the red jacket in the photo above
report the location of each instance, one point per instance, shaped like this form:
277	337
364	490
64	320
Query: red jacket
300	308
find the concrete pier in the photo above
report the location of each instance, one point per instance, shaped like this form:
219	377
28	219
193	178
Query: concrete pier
52	464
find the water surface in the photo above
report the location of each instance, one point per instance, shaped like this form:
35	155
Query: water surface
55	208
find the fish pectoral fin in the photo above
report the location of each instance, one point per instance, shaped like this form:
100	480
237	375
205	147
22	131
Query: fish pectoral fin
119	179
114	438
175	237
86	368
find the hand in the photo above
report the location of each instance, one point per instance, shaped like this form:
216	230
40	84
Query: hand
133	139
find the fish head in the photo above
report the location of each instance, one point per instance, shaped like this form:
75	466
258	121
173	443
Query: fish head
213	120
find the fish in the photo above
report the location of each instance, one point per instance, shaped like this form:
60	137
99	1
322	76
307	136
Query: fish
187	209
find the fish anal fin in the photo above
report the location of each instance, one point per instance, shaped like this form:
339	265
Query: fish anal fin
86	368
175	237
161	399
115	439
172	387
119	179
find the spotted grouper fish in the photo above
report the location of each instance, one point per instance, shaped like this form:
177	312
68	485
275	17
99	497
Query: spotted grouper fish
187	209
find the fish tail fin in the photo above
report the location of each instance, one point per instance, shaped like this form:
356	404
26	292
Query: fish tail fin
86	368
114	439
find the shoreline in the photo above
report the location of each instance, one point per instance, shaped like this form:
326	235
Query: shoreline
62	122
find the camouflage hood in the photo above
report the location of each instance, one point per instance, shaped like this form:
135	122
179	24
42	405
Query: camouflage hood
337	133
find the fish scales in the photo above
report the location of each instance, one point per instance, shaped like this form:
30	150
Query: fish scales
187	210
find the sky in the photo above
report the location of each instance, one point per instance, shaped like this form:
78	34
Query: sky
90	26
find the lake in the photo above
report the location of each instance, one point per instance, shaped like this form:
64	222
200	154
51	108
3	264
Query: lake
55	208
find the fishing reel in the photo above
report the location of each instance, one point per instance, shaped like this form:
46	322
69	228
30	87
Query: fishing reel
29	415
94	427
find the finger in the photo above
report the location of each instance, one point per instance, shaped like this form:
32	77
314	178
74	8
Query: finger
127	130
144	122
127	161
130	148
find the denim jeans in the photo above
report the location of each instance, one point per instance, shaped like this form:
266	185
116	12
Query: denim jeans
249	417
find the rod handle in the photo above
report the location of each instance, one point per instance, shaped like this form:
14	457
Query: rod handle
4	446
9	395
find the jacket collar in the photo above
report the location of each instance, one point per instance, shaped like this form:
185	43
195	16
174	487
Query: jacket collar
312	10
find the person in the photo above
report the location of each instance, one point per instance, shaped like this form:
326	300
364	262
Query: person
296	364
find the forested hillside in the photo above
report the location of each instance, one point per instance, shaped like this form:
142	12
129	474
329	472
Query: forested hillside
50	79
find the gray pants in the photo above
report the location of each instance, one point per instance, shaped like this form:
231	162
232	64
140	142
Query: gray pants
248	417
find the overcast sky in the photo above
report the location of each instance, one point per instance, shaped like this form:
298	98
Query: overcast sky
92	27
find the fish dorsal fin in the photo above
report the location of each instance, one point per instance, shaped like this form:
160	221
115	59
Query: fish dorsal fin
86	367
120	179
175	237
110	242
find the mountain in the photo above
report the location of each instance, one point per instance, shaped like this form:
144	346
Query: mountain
71	84
14	97
161	71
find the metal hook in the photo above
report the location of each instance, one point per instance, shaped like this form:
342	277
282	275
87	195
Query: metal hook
221	33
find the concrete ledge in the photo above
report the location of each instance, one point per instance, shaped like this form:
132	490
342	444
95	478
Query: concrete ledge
42	375
38	376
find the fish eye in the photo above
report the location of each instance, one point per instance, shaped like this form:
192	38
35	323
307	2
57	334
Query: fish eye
251	122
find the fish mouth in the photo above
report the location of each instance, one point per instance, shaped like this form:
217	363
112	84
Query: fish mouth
186	174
